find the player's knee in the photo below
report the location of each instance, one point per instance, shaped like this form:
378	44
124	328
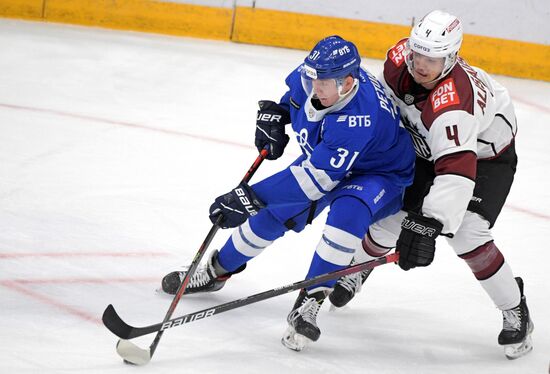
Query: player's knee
350	214
384	233
474	244
472	233
266	226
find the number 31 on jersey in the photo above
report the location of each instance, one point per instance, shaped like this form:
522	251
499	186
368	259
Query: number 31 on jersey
342	157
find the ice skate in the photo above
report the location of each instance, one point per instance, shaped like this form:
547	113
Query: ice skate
347	287
302	321
517	328
207	278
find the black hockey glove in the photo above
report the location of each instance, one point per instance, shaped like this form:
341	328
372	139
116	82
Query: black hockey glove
416	243
235	206
270	128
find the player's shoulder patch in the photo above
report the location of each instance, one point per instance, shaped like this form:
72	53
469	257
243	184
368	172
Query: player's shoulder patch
398	53
444	95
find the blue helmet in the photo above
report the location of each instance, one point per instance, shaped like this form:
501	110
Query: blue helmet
332	57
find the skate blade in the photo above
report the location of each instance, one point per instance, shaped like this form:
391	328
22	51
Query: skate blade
514	351
294	341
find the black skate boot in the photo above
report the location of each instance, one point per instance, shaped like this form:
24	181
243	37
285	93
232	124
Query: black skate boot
207	278
517	327
347	286
302	320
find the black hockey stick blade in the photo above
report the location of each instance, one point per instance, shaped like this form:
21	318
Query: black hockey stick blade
113	322
131	353
124	331
117	326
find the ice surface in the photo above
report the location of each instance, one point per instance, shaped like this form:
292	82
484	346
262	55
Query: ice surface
112	146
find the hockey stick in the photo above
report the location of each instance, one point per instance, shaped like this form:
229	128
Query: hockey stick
124	331
132	354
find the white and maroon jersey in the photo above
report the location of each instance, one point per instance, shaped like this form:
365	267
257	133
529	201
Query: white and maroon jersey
466	117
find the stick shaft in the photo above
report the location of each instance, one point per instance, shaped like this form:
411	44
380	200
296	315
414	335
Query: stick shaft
200	253
124	331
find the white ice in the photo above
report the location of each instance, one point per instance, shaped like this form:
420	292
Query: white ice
112	146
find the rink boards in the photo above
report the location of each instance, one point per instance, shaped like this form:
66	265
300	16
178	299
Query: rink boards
248	24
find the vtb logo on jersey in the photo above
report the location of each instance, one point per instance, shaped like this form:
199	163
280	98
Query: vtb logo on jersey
444	95
355	121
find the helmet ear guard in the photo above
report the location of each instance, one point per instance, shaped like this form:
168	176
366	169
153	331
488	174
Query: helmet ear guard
437	35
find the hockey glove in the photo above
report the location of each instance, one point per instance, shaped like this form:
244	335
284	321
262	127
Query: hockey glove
235	206
270	128
416	243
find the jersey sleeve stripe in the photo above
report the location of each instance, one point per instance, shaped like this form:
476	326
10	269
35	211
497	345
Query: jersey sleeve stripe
320	176
314	182
310	175
460	163
306	184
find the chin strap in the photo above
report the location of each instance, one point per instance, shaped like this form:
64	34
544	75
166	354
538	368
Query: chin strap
340	85
315	115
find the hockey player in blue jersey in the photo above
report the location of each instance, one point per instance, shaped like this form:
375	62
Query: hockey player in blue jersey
356	159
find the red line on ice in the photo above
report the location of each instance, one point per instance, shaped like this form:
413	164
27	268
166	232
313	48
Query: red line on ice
84	280
527	211
542	108
18	286
539	107
49	301
83	254
123	123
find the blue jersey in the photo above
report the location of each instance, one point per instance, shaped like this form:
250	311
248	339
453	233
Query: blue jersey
360	135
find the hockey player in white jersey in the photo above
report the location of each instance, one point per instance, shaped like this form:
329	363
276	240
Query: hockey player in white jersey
356	159
463	127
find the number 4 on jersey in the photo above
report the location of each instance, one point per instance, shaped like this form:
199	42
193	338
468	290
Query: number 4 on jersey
452	134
